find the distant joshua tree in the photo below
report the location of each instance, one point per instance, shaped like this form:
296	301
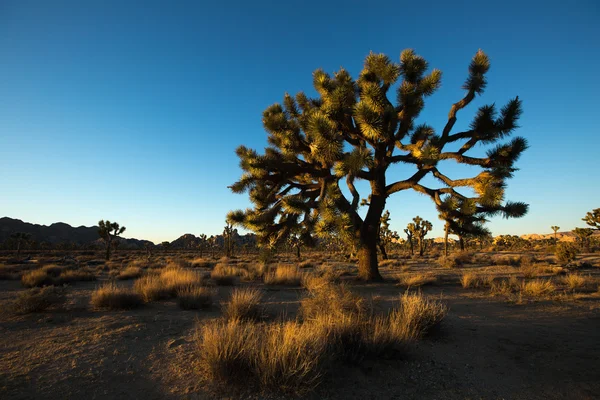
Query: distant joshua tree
409	237
386	235
20	239
108	231
583	237
419	228
202	244
592	218
228	236
356	130
555	229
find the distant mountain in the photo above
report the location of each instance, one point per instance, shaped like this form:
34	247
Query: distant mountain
61	233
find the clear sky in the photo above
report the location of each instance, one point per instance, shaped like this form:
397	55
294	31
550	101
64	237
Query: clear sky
132	110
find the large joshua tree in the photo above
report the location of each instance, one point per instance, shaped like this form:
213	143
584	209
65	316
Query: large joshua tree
592	218
108	231
320	147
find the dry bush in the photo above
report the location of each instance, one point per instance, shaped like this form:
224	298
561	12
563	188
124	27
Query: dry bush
37	299
529	270
37	278
513	261
167	283
416	280
482	259
283	275
576	281
9	273
152	288
112	297
254	272
326	298
195	297
306	264
53	270
504	287
455	260
130	273
415	316
178	263
470	280
199	262
566	253
537	288
244	304
80	275
224	275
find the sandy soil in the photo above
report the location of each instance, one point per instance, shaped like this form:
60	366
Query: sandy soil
487	347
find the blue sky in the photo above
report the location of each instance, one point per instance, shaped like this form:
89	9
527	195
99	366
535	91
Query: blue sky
131	111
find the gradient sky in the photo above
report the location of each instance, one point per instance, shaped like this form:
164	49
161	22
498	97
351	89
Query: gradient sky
131	111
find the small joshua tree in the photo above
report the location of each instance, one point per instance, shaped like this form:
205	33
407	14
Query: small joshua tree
108	231
20	239
419	229
386	235
409	237
227	236
555	229
295	242
592	218
583	237
203	243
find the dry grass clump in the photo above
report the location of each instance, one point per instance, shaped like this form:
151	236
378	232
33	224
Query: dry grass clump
53	270
283	275
244	304
416	280
293	357
130	272
224	274
529	270
80	275
328	299
167	283
9	273
200	262
37	299
504	287
513	261
37	278
537	288
254	271
455	260
195	297
112	297
470	280
575	281
178	263
307	264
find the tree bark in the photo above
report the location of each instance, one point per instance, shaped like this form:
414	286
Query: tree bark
368	234
383	252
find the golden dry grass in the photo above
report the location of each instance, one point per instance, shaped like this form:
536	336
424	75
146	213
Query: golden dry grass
283	275
131	272
112	297
195	297
37	278
224	274
244	304
37	299
167	283
575	281
537	288
416	280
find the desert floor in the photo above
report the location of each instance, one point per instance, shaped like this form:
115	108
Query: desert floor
490	346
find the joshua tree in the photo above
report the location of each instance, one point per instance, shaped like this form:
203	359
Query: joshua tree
20	239
108	231
583	237
592	218
295	242
148	247
555	229
202	244
227	235
351	132
409	237
419	228
386	235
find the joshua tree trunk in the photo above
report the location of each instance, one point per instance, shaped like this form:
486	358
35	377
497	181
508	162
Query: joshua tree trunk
368	235
462	243
383	252
446	240
421	248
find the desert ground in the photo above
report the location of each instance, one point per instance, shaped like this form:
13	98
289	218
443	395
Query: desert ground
517	326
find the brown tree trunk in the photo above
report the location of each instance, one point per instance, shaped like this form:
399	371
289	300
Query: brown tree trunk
462	243
383	252
368	235
446	240
421	248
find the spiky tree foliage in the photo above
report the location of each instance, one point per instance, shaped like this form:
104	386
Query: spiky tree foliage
353	131
20	238
511	242
386	235
584	236
108	231
555	229
419	229
592	218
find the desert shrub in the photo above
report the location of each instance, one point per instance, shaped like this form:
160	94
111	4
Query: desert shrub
195	297
130	272
53	270
327	298
152	288
37	278
529	270
112	297
575	281
254	271
452	261
178	263
416	316
9	273
566	253
178	278
244	304
37	299
537	288
201	263
513	261
504	286
482	259
416	280
306	264
80	275
283	275
224	275
470	280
